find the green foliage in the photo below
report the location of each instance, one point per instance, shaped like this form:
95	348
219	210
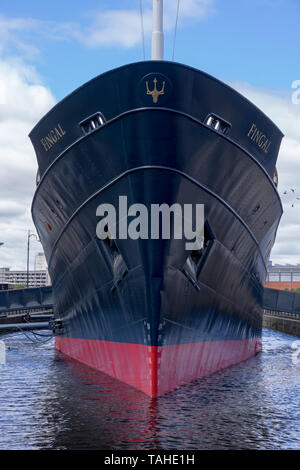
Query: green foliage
297	290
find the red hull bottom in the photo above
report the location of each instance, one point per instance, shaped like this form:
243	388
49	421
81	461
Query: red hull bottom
156	370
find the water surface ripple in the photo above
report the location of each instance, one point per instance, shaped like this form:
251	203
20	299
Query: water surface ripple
49	401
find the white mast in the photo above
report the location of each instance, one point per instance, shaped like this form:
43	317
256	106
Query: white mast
157	31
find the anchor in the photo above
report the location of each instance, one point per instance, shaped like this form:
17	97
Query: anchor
155	92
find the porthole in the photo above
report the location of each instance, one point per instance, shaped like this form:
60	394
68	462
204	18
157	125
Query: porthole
217	123
92	123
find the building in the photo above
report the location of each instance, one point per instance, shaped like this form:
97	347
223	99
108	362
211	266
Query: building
37	278
40	263
6	286
281	277
17	278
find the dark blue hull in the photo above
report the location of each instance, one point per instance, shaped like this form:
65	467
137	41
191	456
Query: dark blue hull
149	312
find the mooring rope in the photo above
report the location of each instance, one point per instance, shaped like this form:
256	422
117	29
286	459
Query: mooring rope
36	341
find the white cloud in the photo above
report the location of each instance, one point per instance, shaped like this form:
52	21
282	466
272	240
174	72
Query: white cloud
123	27
115	27
100	28
9	31
24	102
286	116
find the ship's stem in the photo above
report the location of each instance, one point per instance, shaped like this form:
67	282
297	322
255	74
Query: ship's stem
157	31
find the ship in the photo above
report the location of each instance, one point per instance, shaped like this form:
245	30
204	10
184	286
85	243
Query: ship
148	311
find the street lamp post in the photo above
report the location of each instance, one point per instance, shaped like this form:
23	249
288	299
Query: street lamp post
28	244
1	243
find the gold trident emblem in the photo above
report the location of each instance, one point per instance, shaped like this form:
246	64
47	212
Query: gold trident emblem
155	92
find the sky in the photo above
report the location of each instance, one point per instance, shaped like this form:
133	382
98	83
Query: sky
47	51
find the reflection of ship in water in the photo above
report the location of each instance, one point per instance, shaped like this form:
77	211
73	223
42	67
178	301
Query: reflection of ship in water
106	412
87	409
148	311
52	402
